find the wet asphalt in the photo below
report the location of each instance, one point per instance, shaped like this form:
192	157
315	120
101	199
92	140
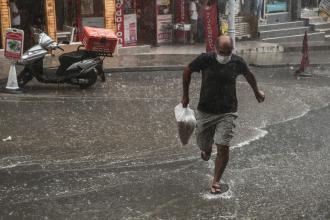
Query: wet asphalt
112	151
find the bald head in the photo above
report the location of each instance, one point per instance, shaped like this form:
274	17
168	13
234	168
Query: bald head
224	45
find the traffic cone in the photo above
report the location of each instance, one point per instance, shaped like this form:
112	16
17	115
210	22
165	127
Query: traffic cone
12	84
304	59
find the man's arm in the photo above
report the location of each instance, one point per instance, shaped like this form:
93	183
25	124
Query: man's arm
260	95
186	78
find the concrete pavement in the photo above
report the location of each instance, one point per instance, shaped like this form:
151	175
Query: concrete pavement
176	57
112	151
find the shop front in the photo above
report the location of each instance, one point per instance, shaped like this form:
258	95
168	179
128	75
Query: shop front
23	15
59	18
280	11
73	15
144	22
246	17
156	22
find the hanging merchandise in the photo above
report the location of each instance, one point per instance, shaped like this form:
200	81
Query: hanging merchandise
325	7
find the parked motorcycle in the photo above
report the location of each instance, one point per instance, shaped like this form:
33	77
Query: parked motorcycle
79	67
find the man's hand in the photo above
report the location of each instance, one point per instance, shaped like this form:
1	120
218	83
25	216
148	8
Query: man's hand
186	77
260	96
185	101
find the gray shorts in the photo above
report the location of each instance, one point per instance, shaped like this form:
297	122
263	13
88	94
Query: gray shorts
213	128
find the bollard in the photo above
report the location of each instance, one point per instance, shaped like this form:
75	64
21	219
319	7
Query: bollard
304	64
13	51
12	84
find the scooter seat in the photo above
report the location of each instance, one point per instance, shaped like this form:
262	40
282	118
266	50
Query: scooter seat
70	58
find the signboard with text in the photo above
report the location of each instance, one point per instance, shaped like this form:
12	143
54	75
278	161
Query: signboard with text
119	19
130	30
164	29
14	44
181	17
126	24
211	26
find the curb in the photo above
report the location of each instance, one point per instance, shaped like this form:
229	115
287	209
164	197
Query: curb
311	48
180	67
286	65
144	68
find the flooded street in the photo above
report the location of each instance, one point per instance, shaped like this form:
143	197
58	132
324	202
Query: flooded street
113	152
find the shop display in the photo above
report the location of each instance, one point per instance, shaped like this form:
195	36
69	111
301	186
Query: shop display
164	21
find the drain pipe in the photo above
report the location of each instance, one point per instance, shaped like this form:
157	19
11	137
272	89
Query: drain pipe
231	20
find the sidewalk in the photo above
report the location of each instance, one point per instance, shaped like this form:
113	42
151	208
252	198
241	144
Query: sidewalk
176	57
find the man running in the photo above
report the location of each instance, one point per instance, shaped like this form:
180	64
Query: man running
217	108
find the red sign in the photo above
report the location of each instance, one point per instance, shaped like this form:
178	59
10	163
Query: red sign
120	28
14	44
181	16
211	26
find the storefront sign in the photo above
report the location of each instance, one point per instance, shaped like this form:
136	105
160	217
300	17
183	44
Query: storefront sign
130	30
325	6
14	44
211	26
164	28
93	22
126	24
120	22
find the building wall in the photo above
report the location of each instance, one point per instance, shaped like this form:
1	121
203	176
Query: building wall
50	14
109	14
5	18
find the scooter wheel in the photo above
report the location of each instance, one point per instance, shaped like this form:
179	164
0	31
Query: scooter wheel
89	79
23	78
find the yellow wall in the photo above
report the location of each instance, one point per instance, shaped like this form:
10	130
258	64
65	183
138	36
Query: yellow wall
109	14
5	18
50	14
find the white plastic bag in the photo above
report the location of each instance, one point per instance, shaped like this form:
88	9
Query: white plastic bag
186	122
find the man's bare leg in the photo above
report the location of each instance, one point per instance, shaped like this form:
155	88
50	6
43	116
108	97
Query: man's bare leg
220	166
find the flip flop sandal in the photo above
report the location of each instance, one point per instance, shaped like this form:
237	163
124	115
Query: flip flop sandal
206	155
215	189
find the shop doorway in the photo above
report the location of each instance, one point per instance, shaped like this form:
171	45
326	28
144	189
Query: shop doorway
73	15
146	21
32	14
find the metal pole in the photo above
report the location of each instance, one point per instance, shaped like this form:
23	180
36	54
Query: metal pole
231	20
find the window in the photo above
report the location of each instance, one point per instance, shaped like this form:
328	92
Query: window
275	6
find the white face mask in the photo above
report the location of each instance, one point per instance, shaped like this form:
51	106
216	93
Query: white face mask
223	59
